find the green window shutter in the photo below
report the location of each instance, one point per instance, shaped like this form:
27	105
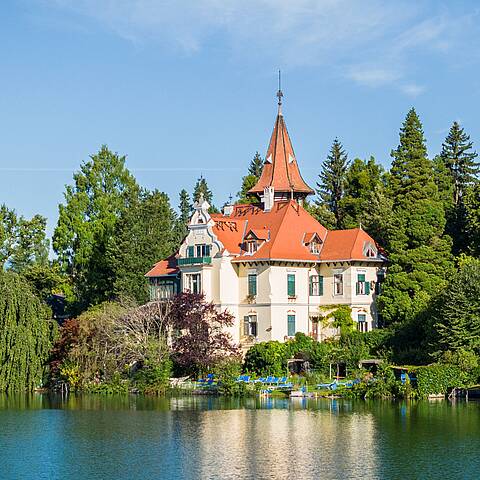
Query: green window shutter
357	285
291	325
367	288
190	252
291	285
252	284
361	277
310	286
320	285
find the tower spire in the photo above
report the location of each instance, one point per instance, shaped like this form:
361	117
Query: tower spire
279	93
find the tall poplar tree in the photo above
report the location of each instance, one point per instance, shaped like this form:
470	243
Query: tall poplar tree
419	252
331	187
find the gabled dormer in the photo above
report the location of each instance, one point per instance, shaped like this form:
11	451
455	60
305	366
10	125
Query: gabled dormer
254	239
370	250
313	242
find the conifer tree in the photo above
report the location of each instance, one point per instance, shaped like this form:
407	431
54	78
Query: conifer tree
201	188
472	216
457	315
419	252
249	181
456	172
185	209
256	165
330	188
458	157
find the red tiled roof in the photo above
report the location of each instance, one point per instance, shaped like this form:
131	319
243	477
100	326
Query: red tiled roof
280	169
164	267
346	245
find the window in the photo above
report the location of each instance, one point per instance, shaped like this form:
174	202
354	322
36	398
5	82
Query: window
251	246
193	283
252	284
315	247
202	250
190	251
250	325
291	284
338	284
362	325
363	287
316	285
291	325
314	332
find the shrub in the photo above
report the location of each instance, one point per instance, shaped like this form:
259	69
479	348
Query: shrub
226	372
267	358
437	378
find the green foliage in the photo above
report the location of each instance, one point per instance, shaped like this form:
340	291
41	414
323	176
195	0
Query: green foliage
471	203
226	372
362	179
433	379
185	212
201	190
249	181
267	358
23	242
418	250
456	314
331	187
338	316
143	234
103	189
27	335
154	377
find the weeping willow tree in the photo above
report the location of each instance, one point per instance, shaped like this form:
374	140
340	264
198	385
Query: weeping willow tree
26	335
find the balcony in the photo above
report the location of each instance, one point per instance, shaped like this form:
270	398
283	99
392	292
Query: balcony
194	261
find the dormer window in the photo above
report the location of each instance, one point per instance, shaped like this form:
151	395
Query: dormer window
251	246
314	248
313	242
369	251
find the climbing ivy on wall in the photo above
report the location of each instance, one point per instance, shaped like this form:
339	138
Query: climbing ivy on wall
26	335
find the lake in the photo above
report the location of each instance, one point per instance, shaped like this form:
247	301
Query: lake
130	437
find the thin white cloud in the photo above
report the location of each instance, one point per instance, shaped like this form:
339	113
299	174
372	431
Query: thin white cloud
370	42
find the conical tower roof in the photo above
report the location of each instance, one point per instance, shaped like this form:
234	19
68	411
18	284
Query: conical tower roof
280	169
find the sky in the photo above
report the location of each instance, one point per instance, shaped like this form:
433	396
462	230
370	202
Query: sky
187	88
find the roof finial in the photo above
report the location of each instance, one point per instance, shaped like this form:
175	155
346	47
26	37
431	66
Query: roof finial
279	93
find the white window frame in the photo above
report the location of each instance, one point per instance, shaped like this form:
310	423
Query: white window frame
189	282
335	283
252	320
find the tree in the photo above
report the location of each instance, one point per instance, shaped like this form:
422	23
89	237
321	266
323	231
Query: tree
256	165
361	180
201	189
472	218
143	235
457	315
456	172
332	181
185	209
27	335
102	190
250	180
23	242
459	159
202	340
419	252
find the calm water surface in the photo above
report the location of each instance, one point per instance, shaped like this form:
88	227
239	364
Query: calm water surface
97	437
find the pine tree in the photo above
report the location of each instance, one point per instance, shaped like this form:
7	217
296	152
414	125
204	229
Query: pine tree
249	181
201	188
332	181
472	219
256	165
456	172
457	315
419	252
185	209
458	157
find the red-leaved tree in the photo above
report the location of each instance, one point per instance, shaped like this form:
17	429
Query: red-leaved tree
199	338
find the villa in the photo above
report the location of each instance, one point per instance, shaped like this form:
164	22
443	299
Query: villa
274	267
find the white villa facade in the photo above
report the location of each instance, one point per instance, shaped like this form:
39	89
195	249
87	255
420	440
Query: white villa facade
274	267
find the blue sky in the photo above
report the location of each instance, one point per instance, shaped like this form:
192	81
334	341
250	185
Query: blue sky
185	88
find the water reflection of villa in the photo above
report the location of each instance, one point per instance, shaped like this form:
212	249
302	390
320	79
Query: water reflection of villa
272	265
